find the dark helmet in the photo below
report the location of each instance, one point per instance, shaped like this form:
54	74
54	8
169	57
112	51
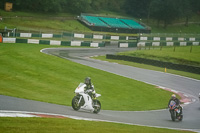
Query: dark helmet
87	80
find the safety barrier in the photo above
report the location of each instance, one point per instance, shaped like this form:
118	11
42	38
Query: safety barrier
73	35
136	41
54	42
169	39
146	44
104	36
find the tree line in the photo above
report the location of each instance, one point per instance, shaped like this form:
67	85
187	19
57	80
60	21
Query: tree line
165	11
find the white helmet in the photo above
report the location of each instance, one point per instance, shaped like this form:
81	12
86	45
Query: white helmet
173	96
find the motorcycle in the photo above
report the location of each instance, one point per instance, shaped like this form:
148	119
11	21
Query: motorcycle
175	111
199	96
82	100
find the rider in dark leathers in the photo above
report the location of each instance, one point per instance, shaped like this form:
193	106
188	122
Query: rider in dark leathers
177	101
89	88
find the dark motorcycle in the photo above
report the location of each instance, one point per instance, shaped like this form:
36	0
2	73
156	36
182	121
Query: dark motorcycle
175	111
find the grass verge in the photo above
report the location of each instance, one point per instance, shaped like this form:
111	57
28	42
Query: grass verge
27	73
181	55
23	125
187	55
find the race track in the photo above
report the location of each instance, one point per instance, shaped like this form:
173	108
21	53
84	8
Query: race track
160	118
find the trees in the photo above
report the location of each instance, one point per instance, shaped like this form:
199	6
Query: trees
137	8
186	10
165	10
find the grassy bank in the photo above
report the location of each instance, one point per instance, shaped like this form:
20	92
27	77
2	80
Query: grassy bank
23	125
27	73
181	55
66	22
186	55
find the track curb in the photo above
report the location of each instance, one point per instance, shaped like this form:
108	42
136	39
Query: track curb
185	98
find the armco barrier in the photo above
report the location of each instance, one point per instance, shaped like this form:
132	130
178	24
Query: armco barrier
73	35
174	39
186	68
54	42
147	44
143	44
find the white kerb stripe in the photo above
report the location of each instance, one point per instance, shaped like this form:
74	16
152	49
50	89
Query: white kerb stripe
114	38
170	43
155	43
75	43
123	45
25	34
141	44
98	36
192	39
47	35
9	40
16	115
181	39
183	43
168	38
156	38
35	41
94	44
143	38
195	43
79	35
53	42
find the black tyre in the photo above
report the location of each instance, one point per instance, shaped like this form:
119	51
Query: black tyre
96	106
173	115
75	104
180	118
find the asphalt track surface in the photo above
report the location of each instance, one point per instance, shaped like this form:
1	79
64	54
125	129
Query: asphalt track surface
158	118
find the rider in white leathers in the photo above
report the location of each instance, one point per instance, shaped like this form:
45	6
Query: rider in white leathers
89	88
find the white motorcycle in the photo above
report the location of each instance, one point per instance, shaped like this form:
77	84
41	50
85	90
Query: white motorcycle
84	101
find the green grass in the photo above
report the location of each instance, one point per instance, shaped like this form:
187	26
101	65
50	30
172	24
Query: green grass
192	28
27	73
181	55
43	24
55	125
37	21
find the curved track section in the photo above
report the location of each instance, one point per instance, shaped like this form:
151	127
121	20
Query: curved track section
159	118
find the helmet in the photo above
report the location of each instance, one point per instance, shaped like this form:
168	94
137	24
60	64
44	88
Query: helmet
173	96
87	80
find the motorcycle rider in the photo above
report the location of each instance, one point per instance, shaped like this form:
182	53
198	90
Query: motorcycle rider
177	101
89	88
199	96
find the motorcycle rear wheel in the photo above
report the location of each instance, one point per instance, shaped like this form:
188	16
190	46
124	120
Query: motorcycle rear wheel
75	104
180	118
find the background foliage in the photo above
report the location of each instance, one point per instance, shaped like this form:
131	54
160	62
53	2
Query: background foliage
136	8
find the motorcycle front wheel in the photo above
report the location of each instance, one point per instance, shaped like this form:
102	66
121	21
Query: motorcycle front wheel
97	106
75	104
173	115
